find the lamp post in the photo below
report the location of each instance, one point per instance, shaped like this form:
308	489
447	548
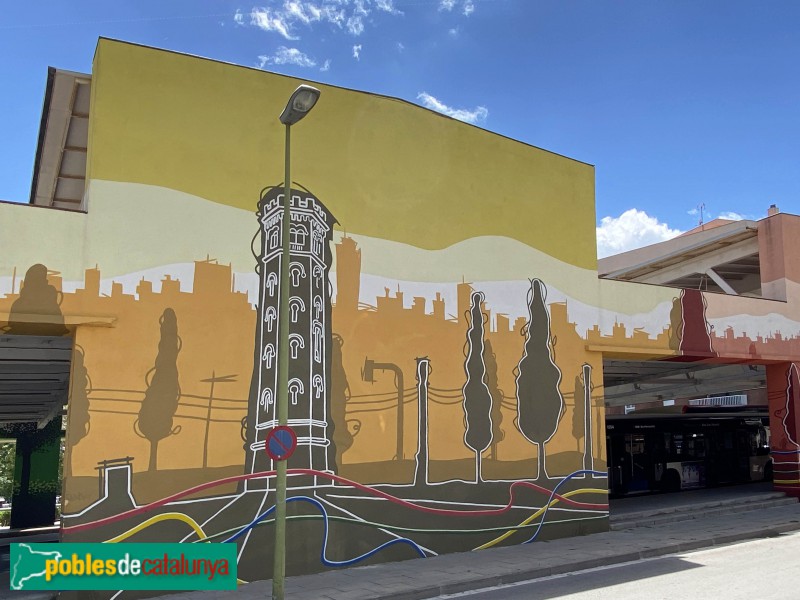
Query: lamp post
300	103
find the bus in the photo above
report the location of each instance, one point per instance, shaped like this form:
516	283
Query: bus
682	448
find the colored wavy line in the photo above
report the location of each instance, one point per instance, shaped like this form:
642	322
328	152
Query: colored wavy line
461	513
165	517
375	492
784	451
158	503
786	481
398	527
525	524
324	549
157	519
554	497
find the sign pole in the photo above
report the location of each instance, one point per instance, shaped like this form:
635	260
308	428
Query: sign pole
282	400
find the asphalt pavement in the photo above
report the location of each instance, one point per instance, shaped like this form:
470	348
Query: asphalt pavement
742	571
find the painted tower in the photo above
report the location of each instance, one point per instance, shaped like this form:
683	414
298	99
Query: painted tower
309	334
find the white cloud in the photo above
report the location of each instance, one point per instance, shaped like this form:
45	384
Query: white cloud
632	229
284	18
469	116
269	20
287	56
361	7
334	16
731	216
467	6
693	212
400	46
357	51
326	65
453	32
387	6
355	25
305	13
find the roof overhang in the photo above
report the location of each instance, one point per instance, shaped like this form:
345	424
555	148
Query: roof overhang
34	378
635	264
59	171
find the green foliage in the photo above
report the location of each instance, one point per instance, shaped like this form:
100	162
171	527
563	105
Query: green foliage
7	458
5	518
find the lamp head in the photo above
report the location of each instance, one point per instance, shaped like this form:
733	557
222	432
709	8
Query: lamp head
300	104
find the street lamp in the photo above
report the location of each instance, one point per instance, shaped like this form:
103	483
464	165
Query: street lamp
299	105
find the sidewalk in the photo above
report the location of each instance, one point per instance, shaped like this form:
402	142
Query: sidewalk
451	573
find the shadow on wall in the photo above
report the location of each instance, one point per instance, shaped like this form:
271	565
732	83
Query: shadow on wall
37	311
163	390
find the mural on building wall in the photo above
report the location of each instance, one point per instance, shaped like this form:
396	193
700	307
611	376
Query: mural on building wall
445	386
367	437
369	432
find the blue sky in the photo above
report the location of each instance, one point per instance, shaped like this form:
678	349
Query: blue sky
676	103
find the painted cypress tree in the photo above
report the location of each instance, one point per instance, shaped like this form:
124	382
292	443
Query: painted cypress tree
539	401
163	390
490	360
477	398
340	394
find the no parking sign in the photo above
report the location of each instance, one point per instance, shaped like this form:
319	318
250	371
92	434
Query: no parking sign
281	442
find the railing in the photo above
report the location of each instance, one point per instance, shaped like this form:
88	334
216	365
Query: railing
731	400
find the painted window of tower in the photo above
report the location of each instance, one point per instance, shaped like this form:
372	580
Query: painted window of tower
297	238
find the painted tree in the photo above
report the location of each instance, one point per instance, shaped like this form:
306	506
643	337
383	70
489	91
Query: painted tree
490	359
79	418
340	394
477	398
163	390
539	401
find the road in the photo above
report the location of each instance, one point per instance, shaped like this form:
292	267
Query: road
763	569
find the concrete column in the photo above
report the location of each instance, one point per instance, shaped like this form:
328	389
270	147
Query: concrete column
783	392
779	255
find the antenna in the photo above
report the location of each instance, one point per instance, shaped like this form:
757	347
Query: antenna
701	207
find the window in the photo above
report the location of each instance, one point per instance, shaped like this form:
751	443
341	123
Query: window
297	237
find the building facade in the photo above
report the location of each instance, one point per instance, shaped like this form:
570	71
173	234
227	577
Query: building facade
452	347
